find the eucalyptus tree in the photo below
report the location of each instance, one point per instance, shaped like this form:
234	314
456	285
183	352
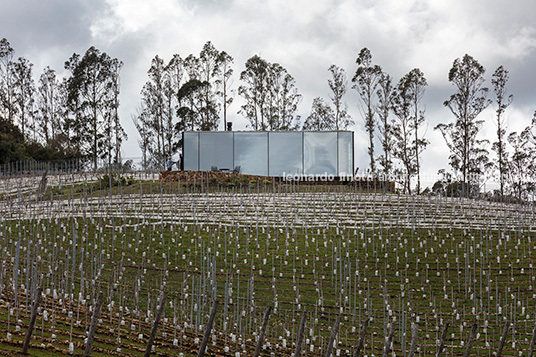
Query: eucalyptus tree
521	163
89	92
321	116
197	110
176	76
468	154
72	103
366	79
209	69
49	106
503	101
338	86
146	142
6	81
402	137
282	100
416	83
384	94
190	95
153	104
224	82
255	92
270	94
23	94
114	132
407	143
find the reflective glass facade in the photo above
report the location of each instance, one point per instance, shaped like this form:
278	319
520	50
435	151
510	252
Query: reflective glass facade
274	153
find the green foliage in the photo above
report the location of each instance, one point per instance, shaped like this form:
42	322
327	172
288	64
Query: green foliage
456	189
468	155
406	142
14	147
93	89
321	117
366	81
270	94
114	179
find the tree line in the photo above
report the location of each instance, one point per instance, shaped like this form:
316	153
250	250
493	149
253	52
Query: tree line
61	118
77	116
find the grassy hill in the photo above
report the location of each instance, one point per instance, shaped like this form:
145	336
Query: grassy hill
327	252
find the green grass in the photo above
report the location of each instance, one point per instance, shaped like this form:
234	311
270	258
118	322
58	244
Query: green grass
426	275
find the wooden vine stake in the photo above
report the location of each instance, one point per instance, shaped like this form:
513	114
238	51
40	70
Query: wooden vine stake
208	330
414	336
470	341
362	335
263	330
442	341
389	340
300	335
532	341
155	325
35	305
93	326
503	339
334	332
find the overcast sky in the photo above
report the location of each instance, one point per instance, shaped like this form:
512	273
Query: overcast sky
304	36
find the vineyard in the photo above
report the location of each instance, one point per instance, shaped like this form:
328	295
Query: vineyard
258	266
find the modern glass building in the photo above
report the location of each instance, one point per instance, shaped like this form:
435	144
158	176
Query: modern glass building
274	153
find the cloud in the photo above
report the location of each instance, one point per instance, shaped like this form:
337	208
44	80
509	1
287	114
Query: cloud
304	36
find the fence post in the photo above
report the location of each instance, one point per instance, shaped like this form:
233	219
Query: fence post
334	332
362	338
203	346
35	305
388	340
155	324
470	341
503	339
300	335
93	326
414	336
442	341
263	330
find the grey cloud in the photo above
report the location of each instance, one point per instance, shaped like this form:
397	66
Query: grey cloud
46	24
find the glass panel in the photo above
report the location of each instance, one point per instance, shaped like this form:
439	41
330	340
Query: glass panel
191	151
285	153
320	153
346	153
251	152
216	149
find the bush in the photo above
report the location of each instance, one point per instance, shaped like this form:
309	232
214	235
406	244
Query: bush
114	179
456	189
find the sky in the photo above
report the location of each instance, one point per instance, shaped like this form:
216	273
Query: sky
305	37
